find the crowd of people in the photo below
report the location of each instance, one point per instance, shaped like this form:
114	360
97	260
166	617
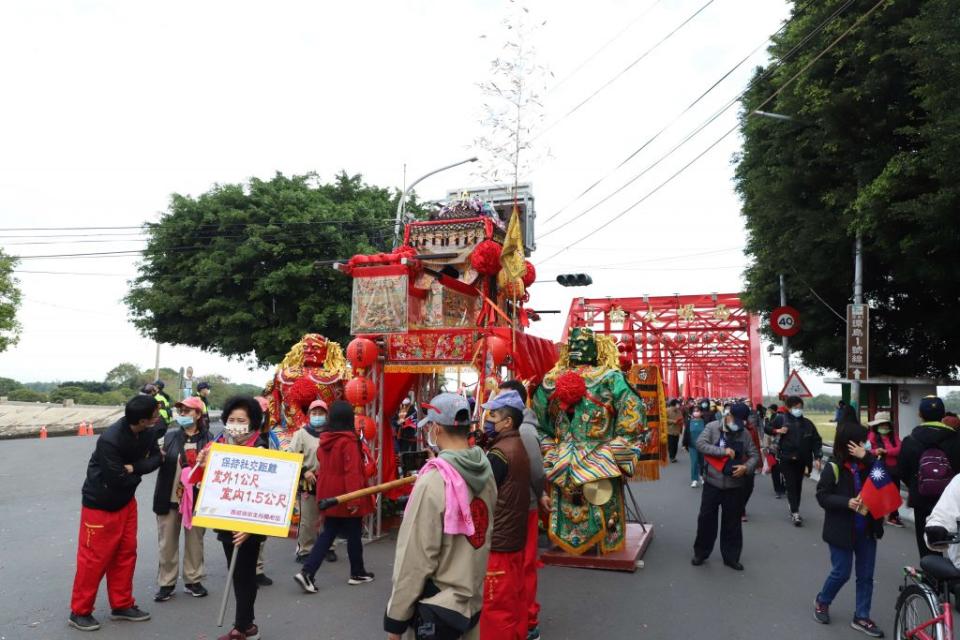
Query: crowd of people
467	549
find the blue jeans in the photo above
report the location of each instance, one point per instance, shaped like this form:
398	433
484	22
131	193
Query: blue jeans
864	555
696	460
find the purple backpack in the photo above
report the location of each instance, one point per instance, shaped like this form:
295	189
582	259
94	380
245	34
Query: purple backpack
935	473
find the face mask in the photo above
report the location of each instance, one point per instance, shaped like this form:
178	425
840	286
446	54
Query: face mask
796	412
236	431
697	414
726	412
883	430
733	427
318	421
489	429
704	406
867	445
184	421
431	438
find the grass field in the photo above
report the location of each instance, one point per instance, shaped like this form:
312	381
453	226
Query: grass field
826	428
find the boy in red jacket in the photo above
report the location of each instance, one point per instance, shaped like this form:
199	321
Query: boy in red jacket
342	470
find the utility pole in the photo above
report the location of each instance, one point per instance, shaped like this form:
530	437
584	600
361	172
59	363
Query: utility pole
785	346
857	299
156	364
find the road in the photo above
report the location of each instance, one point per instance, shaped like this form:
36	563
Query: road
785	567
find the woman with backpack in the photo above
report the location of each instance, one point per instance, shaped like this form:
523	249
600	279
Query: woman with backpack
851	535
885	444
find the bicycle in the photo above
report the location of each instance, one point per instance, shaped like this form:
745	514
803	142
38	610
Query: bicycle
924	610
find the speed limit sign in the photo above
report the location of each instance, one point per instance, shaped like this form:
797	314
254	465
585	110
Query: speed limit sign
785	321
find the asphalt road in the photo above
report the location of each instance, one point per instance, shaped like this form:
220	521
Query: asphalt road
785	567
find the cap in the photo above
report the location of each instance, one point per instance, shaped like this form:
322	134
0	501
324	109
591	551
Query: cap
740	413
203	385
448	409
931	408
405	401
193	402
508	398
880	418
159	384
318	403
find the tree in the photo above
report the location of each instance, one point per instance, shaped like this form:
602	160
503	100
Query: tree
7	385
125	375
9	303
874	149
233	270
25	394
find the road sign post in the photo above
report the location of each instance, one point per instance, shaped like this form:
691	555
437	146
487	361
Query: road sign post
785	321
858	342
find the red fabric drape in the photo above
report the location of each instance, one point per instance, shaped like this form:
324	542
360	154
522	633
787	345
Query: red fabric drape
533	357
396	386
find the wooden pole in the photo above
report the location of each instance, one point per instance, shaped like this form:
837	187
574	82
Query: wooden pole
226	590
326	503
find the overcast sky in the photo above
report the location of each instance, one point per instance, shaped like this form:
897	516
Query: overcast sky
109	107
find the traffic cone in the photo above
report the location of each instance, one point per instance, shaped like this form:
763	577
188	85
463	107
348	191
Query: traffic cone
89	428
82	429
43	432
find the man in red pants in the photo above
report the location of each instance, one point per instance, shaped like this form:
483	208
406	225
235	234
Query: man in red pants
504	613
107	543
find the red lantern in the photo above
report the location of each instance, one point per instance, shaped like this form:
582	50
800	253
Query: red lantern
530	276
486	258
362	353
366	426
360	391
498	349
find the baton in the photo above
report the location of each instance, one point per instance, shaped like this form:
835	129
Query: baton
326	503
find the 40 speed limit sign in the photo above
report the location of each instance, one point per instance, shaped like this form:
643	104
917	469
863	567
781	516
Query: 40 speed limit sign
785	321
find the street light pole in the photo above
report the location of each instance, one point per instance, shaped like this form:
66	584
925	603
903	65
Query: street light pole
786	341
401	206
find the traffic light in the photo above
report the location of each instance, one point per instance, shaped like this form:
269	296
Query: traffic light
574	280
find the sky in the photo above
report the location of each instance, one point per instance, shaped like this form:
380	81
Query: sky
110	107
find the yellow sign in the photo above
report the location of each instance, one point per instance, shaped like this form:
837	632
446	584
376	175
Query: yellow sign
248	489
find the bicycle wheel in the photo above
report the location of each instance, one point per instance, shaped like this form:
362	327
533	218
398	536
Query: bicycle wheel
916	605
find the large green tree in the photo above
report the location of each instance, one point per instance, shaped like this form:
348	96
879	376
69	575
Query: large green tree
9	303
874	148
233	270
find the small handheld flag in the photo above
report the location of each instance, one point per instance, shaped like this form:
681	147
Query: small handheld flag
879	494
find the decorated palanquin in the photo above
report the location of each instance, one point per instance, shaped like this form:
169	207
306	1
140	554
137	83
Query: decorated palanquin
595	436
314	368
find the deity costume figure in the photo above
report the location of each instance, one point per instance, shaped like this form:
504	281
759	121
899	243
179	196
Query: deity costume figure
593	428
314	368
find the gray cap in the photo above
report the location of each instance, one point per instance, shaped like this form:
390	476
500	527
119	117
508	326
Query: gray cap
447	409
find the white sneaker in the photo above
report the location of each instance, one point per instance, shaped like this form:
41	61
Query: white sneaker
693	485
306	582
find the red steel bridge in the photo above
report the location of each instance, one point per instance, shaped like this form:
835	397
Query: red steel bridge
706	345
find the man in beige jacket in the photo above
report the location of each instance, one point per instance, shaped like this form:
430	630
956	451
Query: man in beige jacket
439	569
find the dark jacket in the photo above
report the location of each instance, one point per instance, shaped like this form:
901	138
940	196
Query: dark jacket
513	494
342	470
801	443
167	475
108	486
923	437
834	495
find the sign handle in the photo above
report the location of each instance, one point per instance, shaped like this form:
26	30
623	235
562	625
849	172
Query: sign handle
226	590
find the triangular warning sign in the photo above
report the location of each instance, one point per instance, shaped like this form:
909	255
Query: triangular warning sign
795	387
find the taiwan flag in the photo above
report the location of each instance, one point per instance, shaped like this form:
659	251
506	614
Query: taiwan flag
879	494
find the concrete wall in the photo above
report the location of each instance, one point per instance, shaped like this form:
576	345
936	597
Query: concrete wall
908	405
24	419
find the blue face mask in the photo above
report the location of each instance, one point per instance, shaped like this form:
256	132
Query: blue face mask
489	429
318	421
184	421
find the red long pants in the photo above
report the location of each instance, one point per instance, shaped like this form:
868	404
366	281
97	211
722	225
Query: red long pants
504	613
107	545
531	562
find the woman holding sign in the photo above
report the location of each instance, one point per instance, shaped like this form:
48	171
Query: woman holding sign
242	417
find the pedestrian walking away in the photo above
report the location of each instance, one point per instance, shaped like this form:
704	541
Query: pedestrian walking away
800	448
180	449
344	466
850	532
107	542
439	571
929	458
730	455
674	428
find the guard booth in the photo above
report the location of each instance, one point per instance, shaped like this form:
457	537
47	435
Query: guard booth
900	396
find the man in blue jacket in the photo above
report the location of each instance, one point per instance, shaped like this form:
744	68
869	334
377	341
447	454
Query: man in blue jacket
107	543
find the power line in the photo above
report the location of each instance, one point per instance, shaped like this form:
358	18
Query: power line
627	68
767	73
769	99
150	225
604	46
